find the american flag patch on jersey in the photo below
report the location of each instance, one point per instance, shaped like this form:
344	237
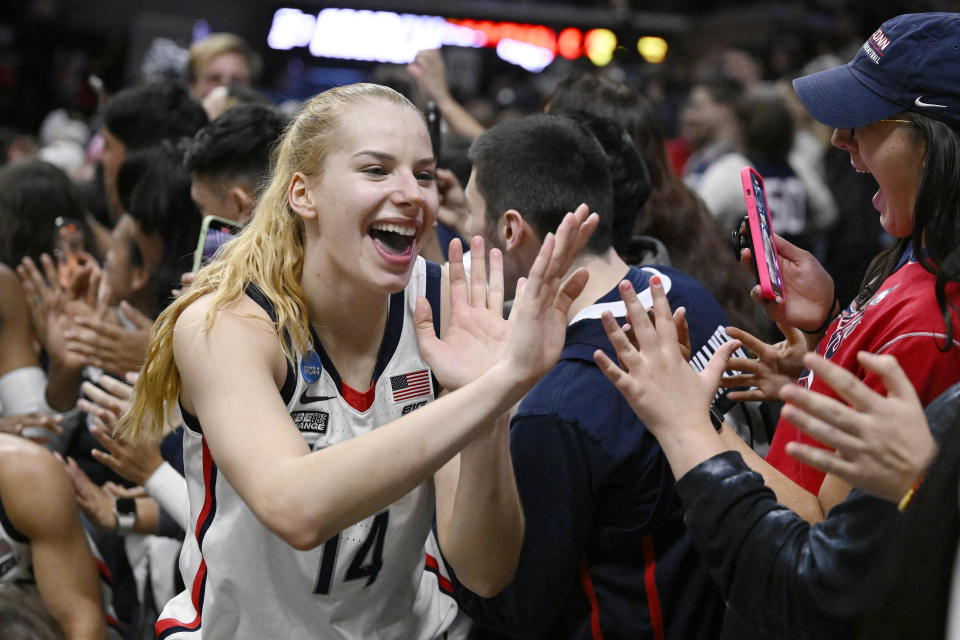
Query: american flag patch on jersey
410	385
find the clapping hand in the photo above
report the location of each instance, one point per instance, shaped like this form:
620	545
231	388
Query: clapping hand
109	346
108	400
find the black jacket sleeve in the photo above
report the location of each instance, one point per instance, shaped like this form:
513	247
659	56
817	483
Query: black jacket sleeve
778	574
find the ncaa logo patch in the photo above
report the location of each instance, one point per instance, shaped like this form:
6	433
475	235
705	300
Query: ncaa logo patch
311	367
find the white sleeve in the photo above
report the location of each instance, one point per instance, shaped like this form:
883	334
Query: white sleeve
22	391
169	489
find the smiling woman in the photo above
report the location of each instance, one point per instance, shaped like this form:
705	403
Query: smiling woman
371	202
309	471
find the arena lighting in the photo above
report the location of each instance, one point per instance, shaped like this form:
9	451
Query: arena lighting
653	49
599	45
570	43
291	28
384	36
523	54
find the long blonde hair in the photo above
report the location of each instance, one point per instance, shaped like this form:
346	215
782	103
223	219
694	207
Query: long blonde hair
268	253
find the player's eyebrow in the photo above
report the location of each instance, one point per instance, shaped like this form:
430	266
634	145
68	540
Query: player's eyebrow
379	155
389	157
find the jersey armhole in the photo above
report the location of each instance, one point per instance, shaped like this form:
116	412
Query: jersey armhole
8	526
432	294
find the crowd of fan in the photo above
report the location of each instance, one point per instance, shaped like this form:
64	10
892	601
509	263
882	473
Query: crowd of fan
99	224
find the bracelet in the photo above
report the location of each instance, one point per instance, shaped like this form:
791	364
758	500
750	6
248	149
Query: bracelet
830	315
908	496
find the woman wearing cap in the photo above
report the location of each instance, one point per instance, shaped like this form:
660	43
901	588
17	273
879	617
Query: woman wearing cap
896	108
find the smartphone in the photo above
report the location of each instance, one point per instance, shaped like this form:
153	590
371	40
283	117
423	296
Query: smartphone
68	243
761	233
433	126
214	232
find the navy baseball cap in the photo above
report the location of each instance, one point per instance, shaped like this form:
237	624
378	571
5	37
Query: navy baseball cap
911	63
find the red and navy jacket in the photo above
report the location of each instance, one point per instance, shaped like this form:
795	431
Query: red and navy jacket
606	553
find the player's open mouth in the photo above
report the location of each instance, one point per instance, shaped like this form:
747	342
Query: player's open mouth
394	239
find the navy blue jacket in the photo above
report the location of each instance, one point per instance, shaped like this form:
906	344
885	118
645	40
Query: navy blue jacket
606	551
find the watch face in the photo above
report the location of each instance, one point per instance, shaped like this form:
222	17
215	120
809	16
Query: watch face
126	506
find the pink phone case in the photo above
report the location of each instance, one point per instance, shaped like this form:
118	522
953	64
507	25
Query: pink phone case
761	234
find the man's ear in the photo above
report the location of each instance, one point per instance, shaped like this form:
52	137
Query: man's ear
139	277
241	202
512	230
298	195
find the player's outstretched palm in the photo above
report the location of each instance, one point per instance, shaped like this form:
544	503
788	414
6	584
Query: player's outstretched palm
478	337
538	318
477	334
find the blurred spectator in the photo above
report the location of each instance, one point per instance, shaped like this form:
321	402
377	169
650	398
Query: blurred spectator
33	194
707	123
221	59
42	540
63	142
137	118
801	207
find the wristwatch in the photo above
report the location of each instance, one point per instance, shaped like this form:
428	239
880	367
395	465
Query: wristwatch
125	510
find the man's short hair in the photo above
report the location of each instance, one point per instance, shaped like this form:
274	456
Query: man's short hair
544	166
215	44
237	145
145	115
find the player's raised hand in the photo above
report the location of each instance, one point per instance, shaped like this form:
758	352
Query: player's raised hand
476	337
530	340
538	318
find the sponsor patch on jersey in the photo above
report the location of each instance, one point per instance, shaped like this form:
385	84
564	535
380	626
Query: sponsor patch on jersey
311	421
412	407
410	385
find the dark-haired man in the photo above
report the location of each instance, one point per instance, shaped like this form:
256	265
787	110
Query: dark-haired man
230	160
605	551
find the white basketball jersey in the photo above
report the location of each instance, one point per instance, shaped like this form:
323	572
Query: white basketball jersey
15	562
367	582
